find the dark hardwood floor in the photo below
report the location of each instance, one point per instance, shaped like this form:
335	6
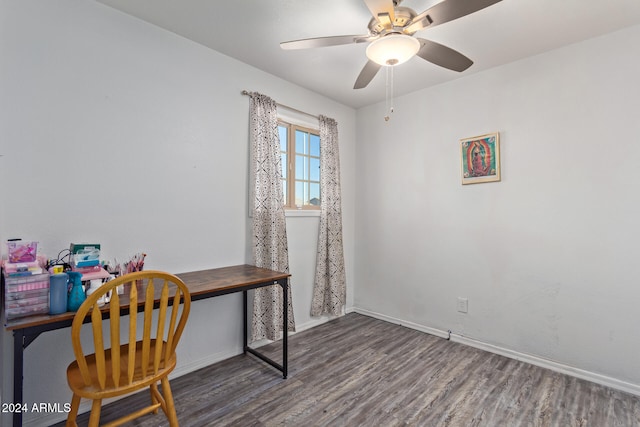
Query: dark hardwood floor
360	371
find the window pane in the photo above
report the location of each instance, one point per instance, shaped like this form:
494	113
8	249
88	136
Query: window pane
302	142
314	194
300	193
314	142
314	169
284	191
282	132
283	161
301	167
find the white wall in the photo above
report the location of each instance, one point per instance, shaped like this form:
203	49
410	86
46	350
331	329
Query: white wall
118	132
547	257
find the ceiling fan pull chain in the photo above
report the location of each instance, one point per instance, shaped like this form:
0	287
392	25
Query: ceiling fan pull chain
388	92
391	95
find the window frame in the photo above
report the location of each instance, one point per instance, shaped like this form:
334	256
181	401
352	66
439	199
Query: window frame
290	195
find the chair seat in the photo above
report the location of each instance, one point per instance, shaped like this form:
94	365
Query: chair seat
94	391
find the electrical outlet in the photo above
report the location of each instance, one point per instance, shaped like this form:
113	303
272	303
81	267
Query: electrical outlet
463	305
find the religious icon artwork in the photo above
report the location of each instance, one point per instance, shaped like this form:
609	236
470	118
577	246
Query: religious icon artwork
480	158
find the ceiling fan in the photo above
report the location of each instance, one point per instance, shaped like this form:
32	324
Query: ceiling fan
391	33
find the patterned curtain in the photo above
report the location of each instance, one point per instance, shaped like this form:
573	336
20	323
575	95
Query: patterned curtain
330	289
267	208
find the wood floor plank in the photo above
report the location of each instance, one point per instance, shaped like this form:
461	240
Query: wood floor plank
360	371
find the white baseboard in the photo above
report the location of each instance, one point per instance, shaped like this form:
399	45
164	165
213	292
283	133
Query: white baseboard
552	365
512	354
411	325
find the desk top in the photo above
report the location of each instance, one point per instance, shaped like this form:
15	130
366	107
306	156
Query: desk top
202	284
228	279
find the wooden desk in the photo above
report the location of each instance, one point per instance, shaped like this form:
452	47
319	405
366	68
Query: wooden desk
202	284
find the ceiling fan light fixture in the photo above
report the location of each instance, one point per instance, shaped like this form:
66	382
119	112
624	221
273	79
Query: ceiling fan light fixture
393	49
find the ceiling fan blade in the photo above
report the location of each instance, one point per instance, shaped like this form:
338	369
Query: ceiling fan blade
325	41
446	11
367	74
443	56
377	7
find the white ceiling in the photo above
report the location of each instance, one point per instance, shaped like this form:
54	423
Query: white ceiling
251	30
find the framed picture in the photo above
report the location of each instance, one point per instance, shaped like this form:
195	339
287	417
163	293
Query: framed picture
480	158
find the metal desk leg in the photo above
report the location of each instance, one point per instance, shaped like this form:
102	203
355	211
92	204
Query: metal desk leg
282	368
245	322
18	353
285	326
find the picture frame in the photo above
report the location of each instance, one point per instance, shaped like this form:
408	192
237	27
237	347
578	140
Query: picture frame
480	158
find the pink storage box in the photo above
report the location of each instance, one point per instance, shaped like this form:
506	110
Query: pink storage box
20	251
26	295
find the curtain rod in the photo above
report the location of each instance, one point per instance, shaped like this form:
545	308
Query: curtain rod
244	92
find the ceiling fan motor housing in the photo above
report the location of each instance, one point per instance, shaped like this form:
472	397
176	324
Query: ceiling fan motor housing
402	16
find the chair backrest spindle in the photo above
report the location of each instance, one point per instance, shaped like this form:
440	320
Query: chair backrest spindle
169	348
114	314
98	343
148	317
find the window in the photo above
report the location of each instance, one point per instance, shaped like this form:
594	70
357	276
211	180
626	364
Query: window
300	155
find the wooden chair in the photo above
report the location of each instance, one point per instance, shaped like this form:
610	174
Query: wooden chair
144	358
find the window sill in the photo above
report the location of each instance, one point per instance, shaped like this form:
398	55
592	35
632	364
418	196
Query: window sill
302	212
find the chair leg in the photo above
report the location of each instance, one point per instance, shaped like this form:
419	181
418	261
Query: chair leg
94	418
154	400
73	413
168	398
